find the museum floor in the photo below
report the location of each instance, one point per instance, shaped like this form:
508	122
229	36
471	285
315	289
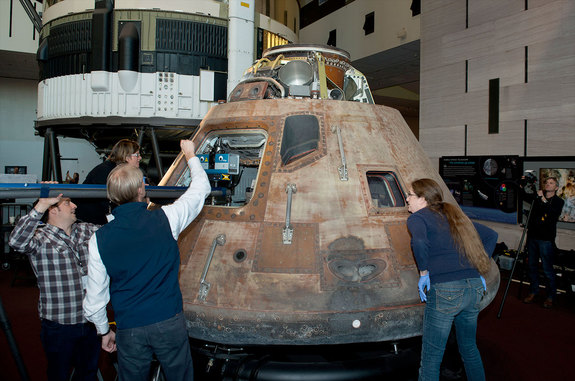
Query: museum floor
527	343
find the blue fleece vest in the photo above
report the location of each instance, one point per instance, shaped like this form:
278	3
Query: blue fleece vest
142	259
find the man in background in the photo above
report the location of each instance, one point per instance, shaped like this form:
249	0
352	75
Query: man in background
58	253
541	232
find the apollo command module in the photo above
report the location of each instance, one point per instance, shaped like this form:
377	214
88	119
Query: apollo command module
303	243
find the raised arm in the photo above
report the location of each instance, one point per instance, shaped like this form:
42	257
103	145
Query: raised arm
22	236
183	211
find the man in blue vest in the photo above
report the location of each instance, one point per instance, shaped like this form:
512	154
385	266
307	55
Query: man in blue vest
134	261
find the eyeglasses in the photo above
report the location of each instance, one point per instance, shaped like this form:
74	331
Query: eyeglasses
137	154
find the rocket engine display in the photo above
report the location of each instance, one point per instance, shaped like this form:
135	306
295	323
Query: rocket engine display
306	243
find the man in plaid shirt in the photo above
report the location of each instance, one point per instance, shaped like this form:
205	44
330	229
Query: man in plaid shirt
58	253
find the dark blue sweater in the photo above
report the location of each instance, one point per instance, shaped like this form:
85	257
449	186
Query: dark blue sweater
94	210
434	248
142	259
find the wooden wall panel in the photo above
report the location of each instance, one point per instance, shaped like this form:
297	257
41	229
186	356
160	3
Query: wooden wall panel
469	43
543	99
552	59
442	16
494	46
509	140
487	11
440	110
443	81
457	109
548	137
508	66
476	108
443	141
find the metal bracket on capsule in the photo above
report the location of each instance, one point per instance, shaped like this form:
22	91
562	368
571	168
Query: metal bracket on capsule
343	169
287	233
205	286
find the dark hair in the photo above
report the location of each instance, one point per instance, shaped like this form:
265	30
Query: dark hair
464	235
46	214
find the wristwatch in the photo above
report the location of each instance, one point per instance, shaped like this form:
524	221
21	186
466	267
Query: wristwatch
104	334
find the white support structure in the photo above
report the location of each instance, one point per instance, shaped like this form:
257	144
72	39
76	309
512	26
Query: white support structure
160	94
240	40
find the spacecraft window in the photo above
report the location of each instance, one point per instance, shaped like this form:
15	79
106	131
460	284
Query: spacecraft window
300	137
231	159
385	189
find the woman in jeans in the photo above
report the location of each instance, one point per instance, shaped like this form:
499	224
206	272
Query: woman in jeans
451	254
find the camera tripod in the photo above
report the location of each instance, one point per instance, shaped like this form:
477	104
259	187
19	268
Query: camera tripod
7	328
519	251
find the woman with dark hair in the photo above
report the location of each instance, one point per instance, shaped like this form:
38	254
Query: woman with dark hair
124	151
452	255
95	210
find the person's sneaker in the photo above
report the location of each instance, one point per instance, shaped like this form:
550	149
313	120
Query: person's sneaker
529	299
548	303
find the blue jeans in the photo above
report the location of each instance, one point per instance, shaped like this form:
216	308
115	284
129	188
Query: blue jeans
544	249
168	340
451	302
70	346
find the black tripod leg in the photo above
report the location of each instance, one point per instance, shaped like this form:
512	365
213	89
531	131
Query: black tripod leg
5	323
515	261
524	268
508	284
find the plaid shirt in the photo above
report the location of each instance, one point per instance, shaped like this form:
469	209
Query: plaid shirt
59	262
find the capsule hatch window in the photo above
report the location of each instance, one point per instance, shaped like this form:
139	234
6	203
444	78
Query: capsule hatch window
300	137
385	189
231	161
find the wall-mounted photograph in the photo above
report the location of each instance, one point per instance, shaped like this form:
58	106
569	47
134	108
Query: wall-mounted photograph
566	180
15	169
563	169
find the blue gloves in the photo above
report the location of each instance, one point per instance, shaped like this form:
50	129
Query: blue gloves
422	285
483	281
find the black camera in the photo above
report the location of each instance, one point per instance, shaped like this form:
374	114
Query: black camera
528	182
